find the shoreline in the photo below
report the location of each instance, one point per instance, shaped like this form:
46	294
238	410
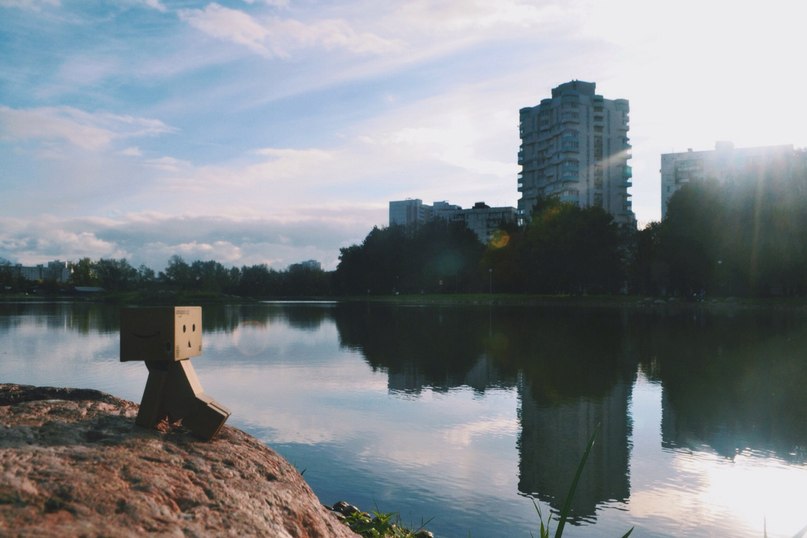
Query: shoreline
632	302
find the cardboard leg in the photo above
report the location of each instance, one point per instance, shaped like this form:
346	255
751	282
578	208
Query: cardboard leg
180	389
207	417
152	405
186	400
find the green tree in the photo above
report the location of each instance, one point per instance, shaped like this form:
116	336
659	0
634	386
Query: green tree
146	277
649	270
448	257
82	273
208	276
689	238
177	273
438	256
568	249
115	275
502	260
259	281
303	281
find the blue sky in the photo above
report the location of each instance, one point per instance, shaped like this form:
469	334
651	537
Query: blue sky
277	131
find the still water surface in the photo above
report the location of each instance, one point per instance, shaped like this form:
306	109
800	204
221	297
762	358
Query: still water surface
463	415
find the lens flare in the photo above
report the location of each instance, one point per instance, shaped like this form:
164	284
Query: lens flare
499	239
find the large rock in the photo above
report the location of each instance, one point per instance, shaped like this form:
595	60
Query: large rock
73	463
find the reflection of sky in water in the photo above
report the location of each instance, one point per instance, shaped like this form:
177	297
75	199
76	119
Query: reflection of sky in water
451	455
330	414
33	352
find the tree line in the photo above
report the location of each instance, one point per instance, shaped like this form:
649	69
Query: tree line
118	275
745	236
563	249
742	237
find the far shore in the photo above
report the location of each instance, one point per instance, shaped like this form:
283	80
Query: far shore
633	302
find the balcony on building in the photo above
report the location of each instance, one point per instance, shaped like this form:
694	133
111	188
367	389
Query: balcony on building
627	172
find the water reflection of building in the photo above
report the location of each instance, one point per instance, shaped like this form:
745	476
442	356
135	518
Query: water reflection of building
554	437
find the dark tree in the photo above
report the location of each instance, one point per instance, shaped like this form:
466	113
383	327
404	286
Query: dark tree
438	256
115	275
649	270
568	249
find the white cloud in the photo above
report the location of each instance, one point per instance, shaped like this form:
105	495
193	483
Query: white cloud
152	238
230	25
85	130
168	164
155	4
132	151
462	15
289	34
297	164
278	38
272	3
34	5
49	238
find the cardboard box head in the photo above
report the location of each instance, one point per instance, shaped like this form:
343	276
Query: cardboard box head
166	333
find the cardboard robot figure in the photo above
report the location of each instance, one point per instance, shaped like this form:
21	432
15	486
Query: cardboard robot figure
166	338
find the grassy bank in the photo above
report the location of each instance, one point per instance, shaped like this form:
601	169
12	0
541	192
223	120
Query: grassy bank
591	301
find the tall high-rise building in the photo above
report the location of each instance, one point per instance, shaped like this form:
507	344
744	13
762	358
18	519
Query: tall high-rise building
574	147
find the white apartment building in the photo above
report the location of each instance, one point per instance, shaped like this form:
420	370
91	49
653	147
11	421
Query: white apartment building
409	212
56	271
575	147
724	163
481	219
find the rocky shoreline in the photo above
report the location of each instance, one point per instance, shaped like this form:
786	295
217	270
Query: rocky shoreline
73	463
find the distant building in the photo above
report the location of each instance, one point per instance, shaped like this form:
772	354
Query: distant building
311	265
409	212
575	148
55	271
481	219
724	163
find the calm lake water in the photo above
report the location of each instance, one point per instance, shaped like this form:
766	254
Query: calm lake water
463	415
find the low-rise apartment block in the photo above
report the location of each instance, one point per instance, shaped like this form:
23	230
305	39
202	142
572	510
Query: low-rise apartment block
481	219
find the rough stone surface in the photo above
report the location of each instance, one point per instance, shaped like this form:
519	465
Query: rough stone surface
73	463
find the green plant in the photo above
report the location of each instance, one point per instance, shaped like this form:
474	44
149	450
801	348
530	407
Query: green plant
567	503
380	525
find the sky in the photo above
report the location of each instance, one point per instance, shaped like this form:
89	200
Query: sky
277	131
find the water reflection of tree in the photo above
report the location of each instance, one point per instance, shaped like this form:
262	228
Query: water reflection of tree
564	354
730	383
227	318
572	369
430	346
83	318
